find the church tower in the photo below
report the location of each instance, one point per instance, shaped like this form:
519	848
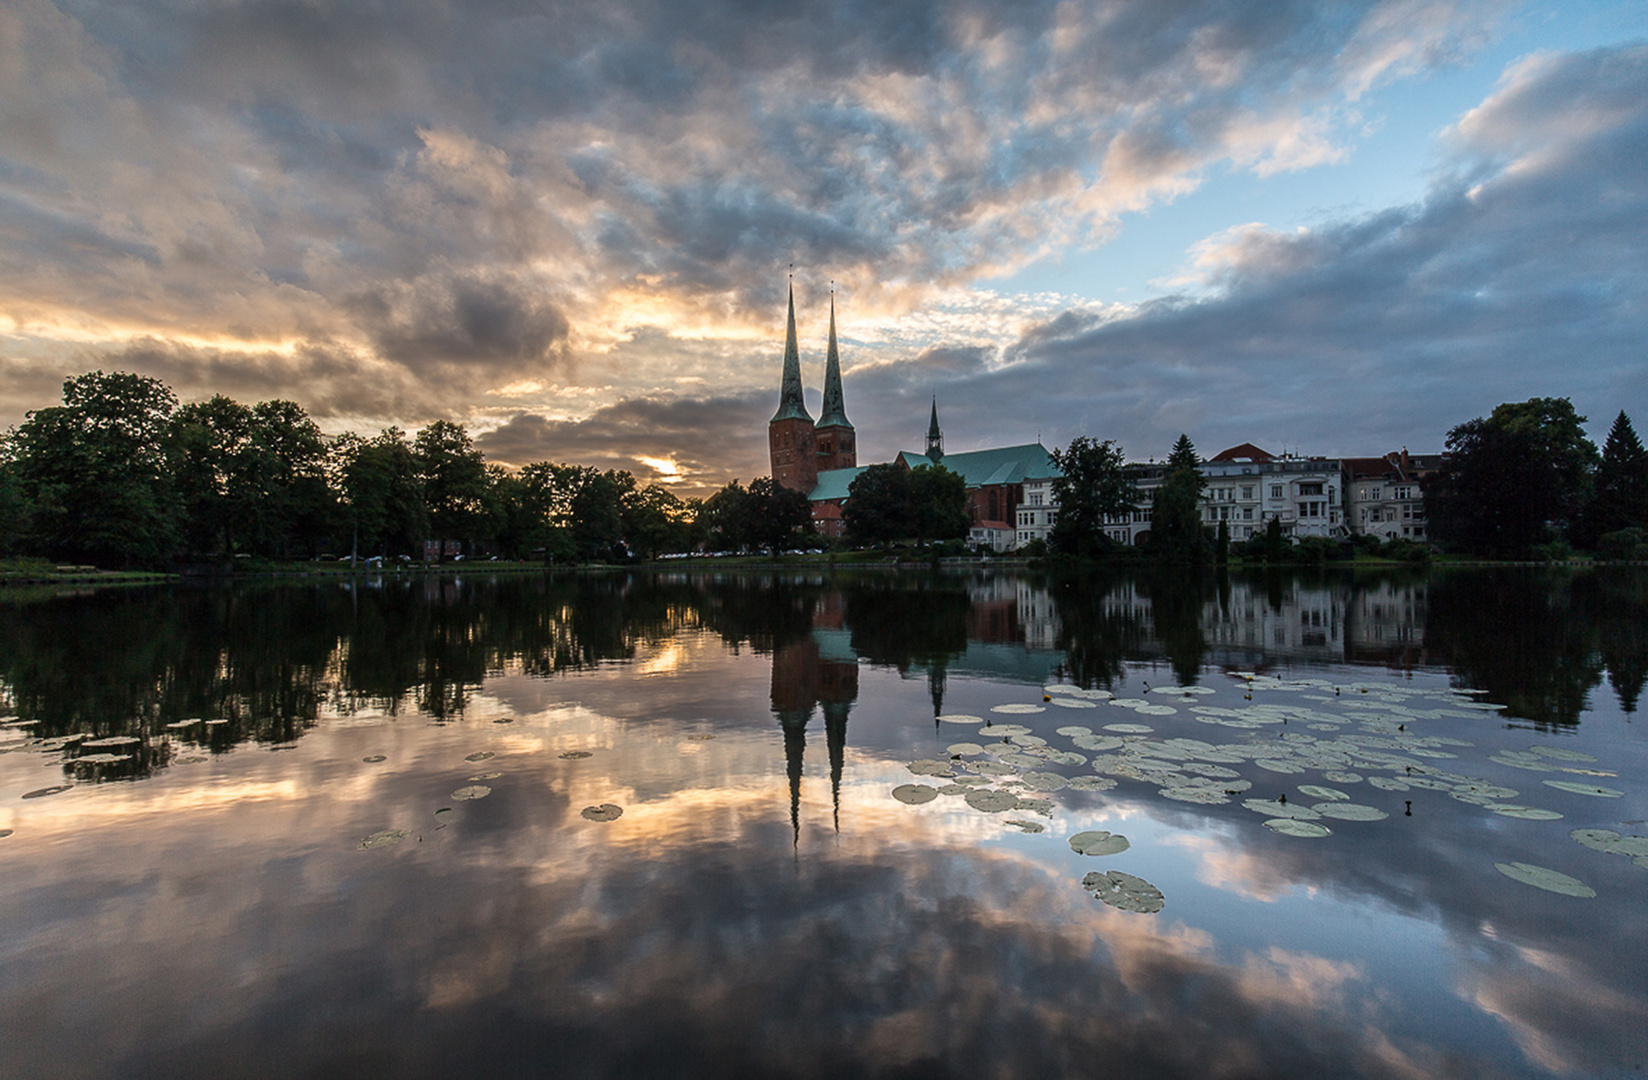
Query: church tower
790	441
837	443
935	437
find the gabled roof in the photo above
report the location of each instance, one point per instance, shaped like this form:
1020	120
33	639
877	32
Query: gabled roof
978	468
1366	468
833	483
834	413
1245	452
1003	465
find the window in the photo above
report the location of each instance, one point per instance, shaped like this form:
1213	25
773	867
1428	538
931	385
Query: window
1247	492
1310	489
1035	498
1404	493
1276	491
1247	513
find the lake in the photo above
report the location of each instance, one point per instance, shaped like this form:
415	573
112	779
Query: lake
959	823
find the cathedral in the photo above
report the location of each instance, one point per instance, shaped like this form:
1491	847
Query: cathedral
820	459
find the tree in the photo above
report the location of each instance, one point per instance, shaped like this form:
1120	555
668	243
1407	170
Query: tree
938	504
877	509
1090	490
725	519
292	505
1176	533
781	518
596	513
95	471
1620	499
378	483
655	521
210	451
1519	478
454	481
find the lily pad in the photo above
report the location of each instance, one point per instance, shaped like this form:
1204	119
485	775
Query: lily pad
4	833
1526	813
479	755
1348	811
1074	729
1612	842
486	776
373	759
1044	781
1098	842
1272	808
1295	827
1073	703
954	790
961	718
383	839
964	749
1317	791
573	755
1541	877
1557	753
1124	891
1025	826
992	802
1583	789
1276	765
1044	807
1206	796
1091	783
445	814
992	768
915	794
930	767
41	793
1007	731
605	812
1017	708
474	791
1387	783
1129	729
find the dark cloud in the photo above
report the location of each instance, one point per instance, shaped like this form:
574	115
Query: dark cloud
711	440
463	322
1523	273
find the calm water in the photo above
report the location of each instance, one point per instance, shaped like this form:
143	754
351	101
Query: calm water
279	876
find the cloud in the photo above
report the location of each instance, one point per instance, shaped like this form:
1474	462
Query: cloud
708	440
1521	273
482	195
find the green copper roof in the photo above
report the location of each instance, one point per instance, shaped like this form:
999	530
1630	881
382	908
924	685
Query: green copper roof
790	403
834	412
833	483
1003	465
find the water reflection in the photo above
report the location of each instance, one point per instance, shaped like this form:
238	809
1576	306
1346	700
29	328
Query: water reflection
756	913
263	663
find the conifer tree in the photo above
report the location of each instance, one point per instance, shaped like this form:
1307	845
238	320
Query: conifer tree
1621	495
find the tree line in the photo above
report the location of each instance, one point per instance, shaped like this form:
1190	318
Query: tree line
122	475
1523	482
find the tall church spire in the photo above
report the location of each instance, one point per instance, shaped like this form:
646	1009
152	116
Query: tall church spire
835	412
790	403
935	437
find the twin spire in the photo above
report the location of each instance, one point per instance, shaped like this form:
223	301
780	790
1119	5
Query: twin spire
791	403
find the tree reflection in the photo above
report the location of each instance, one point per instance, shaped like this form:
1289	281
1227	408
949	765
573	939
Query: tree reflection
264	662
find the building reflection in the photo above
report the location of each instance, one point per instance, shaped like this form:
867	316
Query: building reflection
813	673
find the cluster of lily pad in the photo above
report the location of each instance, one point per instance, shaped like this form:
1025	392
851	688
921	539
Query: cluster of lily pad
1360	736
472	790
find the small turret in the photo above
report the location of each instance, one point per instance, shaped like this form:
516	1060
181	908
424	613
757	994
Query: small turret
935	437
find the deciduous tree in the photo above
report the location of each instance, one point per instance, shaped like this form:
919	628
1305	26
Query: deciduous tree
1090	489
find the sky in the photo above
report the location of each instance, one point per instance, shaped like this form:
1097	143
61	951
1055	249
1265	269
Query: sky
1332	229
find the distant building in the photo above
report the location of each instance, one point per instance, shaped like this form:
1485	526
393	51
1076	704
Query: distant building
1386	495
